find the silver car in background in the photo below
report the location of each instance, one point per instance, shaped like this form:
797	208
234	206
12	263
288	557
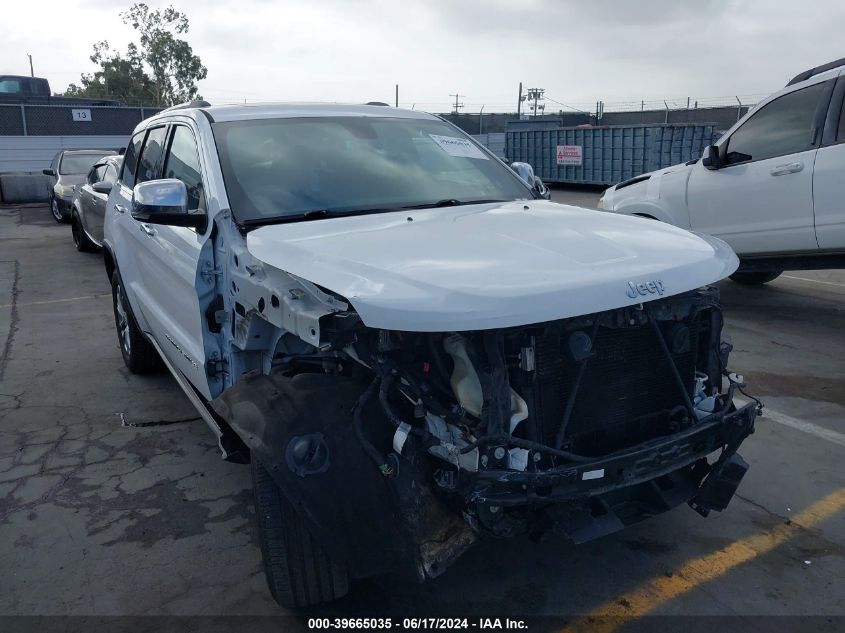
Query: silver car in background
88	208
69	168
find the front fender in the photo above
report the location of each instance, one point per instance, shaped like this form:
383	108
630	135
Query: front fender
651	209
367	522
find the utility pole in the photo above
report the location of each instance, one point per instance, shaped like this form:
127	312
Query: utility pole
397	95
31	72
457	104
519	101
536	95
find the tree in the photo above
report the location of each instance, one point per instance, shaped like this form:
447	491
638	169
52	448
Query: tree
161	70
121	78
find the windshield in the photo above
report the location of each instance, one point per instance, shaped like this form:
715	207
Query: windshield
284	168
73	164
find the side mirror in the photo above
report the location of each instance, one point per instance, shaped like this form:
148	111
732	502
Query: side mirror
48	172
526	174
524	171
102	187
541	188
165	202
711	159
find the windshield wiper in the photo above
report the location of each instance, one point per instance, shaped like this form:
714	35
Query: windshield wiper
319	214
449	202
312	214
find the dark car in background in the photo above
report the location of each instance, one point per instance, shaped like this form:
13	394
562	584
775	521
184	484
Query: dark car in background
88	208
70	168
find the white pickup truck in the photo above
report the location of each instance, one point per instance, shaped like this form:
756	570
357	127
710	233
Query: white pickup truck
773	187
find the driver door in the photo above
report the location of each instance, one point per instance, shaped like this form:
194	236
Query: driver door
761	199
170	259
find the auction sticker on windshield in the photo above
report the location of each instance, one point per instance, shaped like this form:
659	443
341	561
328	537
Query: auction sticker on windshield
455	146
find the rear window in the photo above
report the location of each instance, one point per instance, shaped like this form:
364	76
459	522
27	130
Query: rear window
78	163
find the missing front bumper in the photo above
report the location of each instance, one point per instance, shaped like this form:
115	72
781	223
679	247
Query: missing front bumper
592	499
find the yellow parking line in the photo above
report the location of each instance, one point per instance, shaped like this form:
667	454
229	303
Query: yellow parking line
21	304
610	616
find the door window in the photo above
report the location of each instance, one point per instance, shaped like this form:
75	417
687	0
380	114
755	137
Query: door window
840	135
784	126
182	163
151	155
130	161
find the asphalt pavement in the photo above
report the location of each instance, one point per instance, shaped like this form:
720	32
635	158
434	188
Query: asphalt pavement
114	500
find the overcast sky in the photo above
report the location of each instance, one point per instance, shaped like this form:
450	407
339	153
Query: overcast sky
356	50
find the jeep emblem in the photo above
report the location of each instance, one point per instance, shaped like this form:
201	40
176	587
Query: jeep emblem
645	288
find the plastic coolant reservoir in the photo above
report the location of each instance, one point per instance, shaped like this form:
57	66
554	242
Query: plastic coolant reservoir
467	387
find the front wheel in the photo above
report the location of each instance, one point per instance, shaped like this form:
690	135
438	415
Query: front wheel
755	278
138	353
56	211
299	571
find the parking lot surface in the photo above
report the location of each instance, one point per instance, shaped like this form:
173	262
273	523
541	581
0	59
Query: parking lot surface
114	500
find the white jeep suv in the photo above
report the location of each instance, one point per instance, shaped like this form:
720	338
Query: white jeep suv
773	187
412	347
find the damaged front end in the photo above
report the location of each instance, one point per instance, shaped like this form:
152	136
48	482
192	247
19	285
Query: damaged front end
402	448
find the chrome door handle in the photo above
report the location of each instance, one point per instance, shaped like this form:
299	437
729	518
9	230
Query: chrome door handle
120	208
788	168
146	228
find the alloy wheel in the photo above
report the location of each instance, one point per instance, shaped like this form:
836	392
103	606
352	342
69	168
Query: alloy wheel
122	320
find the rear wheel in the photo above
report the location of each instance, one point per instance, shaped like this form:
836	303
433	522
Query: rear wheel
755	278
299	572
138	353
80	239
56	211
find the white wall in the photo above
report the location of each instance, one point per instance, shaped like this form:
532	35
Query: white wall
34	153
494	141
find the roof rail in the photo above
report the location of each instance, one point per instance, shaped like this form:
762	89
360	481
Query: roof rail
196	103
815	71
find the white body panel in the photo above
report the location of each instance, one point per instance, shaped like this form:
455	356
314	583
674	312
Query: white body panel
829	196
764	206
489	266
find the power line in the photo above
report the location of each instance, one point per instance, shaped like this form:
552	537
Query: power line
568	106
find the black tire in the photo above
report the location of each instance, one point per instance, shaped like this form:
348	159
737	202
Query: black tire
139	355
299	572
80	239
55	211
755	278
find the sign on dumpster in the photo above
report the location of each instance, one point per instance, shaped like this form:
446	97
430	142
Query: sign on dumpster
569	155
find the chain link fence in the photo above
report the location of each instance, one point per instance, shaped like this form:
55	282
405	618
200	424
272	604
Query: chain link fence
70	120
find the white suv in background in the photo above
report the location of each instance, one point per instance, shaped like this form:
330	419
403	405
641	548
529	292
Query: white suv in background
773	187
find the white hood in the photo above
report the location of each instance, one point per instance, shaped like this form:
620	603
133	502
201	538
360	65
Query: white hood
493	265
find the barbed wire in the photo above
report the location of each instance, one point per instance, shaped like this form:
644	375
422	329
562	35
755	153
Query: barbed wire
474	106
